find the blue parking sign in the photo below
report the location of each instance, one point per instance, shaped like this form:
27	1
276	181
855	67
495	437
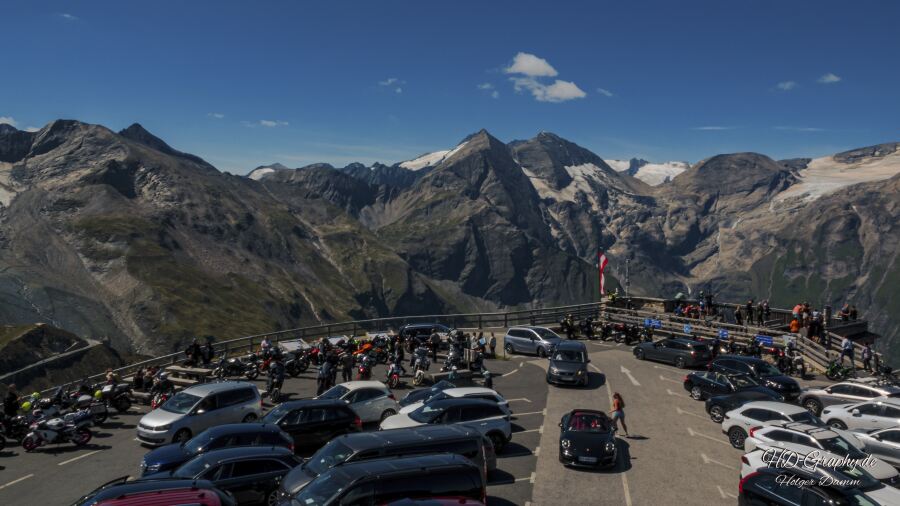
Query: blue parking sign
657	324
766	340
723	334
648	322
687	328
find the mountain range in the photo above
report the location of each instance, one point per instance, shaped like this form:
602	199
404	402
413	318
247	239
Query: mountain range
117	236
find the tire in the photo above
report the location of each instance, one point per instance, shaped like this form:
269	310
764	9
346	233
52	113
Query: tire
252	374
837	424
696	393
101	418
293	370
737	436
498	441
123	404
2	443
832	375
250	418
387	413
541	353
272	498
679	362
275	396
813	406
182	436
717	413
29	443
639	354
82	437
509	349
620	338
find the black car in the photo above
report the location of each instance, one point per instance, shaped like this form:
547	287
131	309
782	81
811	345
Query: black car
568	364
383	481
314	422
763	372
680	352
421	331
423	394
717	406
812	485
587	439
229	435
121	488
706	384
250	473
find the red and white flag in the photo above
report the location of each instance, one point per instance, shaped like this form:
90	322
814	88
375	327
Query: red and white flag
601	265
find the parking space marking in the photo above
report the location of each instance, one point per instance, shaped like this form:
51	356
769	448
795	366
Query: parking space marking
601	344
520	399
670	379
624	478
544	412
78	457
533	474
537	451
539	430
673	393
692	432
626	372
30	475
725	495
707	460
683	412
508	374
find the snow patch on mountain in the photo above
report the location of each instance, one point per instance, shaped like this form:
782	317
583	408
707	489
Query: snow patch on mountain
618	165
826	175
653	174
578	190
426	160
258	174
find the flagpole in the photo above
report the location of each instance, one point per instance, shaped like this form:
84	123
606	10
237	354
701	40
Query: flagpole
599	275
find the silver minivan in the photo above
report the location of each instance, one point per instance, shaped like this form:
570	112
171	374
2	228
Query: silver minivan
535	340
198	408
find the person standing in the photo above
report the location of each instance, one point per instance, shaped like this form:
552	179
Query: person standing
321	381
208	353
738	319
488	379
846	350
346	366
618	412
867	357
435	342
854	314
493	345
11	401
760	320
750	312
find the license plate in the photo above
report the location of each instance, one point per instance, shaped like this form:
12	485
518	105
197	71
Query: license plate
588	460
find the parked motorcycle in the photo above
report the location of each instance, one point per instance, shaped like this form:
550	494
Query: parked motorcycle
837	372
627	333
393	376
421	364
116	395
364	370
229	367
296	363
453	360
70	428
477	363
159	399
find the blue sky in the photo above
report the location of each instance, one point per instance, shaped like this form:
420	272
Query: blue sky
247	83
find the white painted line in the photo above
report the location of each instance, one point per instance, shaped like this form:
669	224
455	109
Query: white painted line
520	399
692	432
670	379
627	492
668	391
532	477
505	375
707	460
30	475
540	430
537	451
523	479
725	495
626	372
683	412
78	457
595	368
544	412
601	344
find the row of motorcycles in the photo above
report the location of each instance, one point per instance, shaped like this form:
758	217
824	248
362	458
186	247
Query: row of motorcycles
626	333
64	415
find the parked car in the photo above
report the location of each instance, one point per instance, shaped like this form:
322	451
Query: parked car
705	384
198	408
679	352
763	372
425	440
372	401
250	473
568	364
533	340
314	422
717	406
875	414
121	492
383	481
738	422
764	487
815	399
422	331
882	443
460	393
487	417
587	438
818	444
229	435
422	394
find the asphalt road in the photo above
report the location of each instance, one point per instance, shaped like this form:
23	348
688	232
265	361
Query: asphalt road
674	455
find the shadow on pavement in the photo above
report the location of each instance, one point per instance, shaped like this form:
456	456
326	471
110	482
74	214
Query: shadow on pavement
623	462
499	501
116	425
514	450
69	449
636	438
500	477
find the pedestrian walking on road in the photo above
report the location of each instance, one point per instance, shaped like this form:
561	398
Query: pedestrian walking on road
618	412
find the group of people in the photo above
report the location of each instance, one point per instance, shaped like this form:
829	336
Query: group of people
199	355
752	314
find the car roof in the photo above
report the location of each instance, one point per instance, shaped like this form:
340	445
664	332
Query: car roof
586	411
528	327
464	391
182	496
113	489
422	325
859	382
684	340
810	430
740	358
352	471
217	386
459	401
414	435
241	428
310	403
781	407
243	452
575	345
355	385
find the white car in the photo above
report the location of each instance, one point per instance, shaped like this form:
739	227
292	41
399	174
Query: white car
882	443
455	393
738	422
752	462
489	418
880	413
820	445
371	400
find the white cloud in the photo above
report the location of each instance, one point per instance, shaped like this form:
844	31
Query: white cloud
786	85
8	120
391	81
829	78
799	129
713	128
272	123
31	129
68	17
398	90
604	92
530	65
217	115
485	86
495	94
559	91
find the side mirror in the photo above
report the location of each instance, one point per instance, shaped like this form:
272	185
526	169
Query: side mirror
855	412
588	361
559	424
828	390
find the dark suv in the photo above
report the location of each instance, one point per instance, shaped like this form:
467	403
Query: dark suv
680	352
383	481
765	373
314	422
229	435
162	490
422	331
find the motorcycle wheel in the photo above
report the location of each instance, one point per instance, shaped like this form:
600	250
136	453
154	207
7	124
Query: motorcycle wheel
123	404
252	373
82	437
419	378
619	338
832	375
30	443
302	365
101	417
276	395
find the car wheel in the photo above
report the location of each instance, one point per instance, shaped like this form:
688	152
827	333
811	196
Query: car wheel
837	424
250	418
737	436
679	362
696	393
498	441
639	354
272	498
813	406
541	352
509	349
182	436
387	413
717	413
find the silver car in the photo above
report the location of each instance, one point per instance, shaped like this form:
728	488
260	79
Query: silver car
817	398
882	443
371	400
881	413
198	408
534	340
488	417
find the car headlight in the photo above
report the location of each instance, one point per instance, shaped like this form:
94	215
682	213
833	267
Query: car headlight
610	447
565	443
554	370
580	372
151	468
163	427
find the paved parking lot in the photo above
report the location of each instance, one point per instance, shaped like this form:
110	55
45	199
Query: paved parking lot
675	454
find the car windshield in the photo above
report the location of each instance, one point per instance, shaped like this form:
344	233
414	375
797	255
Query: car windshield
841	446
806	417
442	385
322	490
192	468
743	381
335	392
438	396
545	333
180	403
569	356
328	456
588	422
856	472
198	443
767	369
426	414
276	414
